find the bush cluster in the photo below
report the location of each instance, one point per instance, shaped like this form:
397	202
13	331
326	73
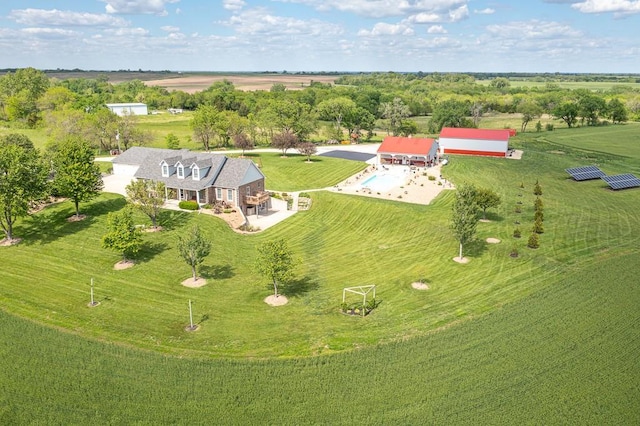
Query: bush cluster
188	205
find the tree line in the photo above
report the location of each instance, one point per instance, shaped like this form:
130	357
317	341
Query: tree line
350	109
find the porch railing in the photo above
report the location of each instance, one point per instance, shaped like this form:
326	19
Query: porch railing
258	198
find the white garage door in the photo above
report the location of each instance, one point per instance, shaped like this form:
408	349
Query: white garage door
125	169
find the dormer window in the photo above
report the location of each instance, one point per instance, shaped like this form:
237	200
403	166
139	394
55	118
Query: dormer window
165	170
195	173
180	171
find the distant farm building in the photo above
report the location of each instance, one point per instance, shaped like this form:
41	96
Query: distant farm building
419	152
487	142
128	109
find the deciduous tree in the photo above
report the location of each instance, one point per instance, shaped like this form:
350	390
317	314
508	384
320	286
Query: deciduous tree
449	113
203	125
122	235
464	217
276	262
147	196
307	149
76	175
335	110
395	111
567	112
486	199
193	248
22	179
529	111
243	142
284	141
617	111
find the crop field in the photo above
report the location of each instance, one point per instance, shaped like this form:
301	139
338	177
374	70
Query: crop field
548	337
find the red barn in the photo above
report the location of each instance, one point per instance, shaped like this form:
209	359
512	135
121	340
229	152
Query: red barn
488	142
419	152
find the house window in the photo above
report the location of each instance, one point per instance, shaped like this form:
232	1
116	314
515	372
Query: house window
248	190
165	170
229	194
196	173
218	193
180	172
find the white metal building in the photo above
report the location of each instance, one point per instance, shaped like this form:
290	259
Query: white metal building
128	109
487	142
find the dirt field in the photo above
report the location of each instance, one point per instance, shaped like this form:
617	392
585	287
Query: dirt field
196	83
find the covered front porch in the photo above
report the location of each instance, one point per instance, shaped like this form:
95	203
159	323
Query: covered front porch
201	197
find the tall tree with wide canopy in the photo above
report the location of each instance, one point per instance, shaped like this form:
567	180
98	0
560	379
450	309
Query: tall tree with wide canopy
19	94
335	110
204	124
450	113
147	196
529	110
23	178
617	111
76	175
464	216
567	112
395	111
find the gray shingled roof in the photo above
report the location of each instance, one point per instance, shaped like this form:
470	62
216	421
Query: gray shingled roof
215	169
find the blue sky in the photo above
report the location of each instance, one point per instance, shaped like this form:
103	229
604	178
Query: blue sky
323	35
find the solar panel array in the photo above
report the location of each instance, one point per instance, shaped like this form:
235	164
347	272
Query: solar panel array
622	181
586	173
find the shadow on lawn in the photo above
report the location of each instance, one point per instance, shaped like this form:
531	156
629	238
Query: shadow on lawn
300	286
217	272
172	219
53	221
476	248
150	250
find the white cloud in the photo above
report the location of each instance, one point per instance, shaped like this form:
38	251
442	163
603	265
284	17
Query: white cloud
128	32
533	29
459	14
260	21
137	7
50	33
436	29
170	29
54	17
487	11
233	5
388	8
618	7
425	18
383	29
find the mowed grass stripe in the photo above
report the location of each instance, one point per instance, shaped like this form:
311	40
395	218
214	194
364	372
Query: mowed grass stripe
540	360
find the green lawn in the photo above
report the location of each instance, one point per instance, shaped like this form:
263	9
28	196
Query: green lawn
293	173
545	338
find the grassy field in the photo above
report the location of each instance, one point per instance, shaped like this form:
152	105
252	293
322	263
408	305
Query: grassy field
545	338
589	85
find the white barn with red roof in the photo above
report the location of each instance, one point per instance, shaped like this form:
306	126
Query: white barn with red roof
419	152
487	142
